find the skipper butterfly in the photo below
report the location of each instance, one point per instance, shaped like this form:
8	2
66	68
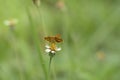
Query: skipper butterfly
55	38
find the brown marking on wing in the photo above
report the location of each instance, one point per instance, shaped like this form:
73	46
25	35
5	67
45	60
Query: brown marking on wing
53	39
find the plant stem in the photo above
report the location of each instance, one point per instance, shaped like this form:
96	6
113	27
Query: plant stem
15	49
50	62
36	42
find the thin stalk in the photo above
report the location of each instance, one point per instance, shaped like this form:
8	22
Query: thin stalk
51	57
49	68
54	72
36	42
50	62
42	20
13	36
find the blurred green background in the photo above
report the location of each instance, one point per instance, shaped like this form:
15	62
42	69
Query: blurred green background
90	30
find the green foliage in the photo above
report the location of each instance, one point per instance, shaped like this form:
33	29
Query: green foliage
90	30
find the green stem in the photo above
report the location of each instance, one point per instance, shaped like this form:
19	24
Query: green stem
15	51
50	62
36	42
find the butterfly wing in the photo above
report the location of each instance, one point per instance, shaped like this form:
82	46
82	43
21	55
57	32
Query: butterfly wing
58	38
50	39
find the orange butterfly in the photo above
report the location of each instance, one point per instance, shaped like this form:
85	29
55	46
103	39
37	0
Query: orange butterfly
53	39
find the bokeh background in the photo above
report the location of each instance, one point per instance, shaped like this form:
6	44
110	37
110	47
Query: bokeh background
90	30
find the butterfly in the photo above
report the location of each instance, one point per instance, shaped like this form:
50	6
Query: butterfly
55	38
